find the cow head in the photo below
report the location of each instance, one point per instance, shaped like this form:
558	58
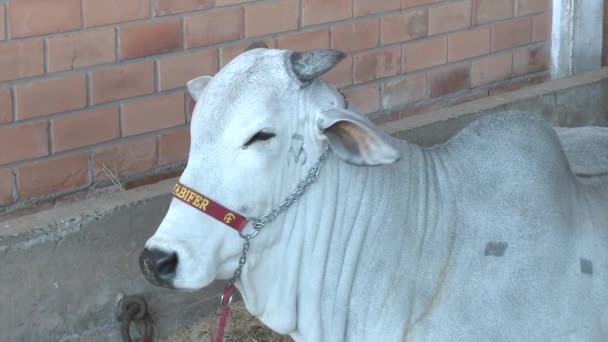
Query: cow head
257	127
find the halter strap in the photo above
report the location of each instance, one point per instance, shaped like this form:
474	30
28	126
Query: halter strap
209	207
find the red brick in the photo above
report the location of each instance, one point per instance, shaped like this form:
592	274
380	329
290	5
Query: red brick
377	64
511	33
125	158
541	27
176	71
81	49
6	105
6	187
450	16
342	74
404	26
485	11
2	22
491	69
323	11
48	96
153	114
84	129
262	18
227	53
123	81
524	7
414	3
52	176
366	7
449	79
21	59
303	41
174	146
25	141
355	36
425	53
467	44
28	18
145	39
530	59
164	7
104	12
366	98
404	90
202	29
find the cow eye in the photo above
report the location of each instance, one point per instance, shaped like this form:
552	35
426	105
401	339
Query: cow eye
260	136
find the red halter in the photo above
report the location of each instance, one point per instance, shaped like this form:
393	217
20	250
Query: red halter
226	216
209	207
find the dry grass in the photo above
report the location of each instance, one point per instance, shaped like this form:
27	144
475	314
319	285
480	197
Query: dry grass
242	327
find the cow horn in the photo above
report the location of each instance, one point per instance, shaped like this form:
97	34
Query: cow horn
311	64
257	45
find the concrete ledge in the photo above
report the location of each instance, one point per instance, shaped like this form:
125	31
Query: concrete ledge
62	270
577	101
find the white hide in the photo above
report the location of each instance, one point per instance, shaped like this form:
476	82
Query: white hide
489	237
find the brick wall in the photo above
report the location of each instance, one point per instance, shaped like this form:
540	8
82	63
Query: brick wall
87	85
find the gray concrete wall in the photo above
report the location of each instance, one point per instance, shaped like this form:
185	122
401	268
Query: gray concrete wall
580	100
576	36
61	270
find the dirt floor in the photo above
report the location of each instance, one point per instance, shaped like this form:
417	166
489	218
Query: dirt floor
242	327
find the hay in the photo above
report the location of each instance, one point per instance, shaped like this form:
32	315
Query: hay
242	327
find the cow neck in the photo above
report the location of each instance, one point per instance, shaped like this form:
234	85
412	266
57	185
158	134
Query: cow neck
356	222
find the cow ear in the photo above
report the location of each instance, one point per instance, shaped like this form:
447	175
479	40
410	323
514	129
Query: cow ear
355	139
197	85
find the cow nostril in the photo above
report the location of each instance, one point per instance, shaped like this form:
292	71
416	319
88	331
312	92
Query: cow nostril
158	266
166	266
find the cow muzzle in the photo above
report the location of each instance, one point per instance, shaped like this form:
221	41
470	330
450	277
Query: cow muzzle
159	267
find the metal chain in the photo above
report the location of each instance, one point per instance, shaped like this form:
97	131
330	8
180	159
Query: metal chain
344	98
291	198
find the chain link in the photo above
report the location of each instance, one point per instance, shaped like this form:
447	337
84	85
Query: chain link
291	198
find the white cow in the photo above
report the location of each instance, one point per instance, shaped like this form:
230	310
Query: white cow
489	237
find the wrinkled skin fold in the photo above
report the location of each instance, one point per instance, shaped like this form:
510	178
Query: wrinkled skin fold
488	237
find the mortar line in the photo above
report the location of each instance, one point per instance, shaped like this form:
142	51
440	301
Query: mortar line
82	17
89	85
45	55
6	33
15	192
156	77
116	46
13	95
300	14
120	119
48	137
90	168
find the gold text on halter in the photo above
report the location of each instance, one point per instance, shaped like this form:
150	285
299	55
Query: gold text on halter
190	197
